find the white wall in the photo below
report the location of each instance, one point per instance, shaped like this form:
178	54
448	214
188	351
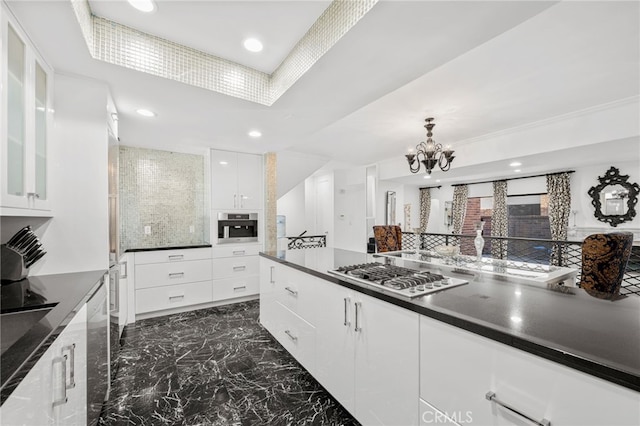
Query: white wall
349	207
292	205
77	237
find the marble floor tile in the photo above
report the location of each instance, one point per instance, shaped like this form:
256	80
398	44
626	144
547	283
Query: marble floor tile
214	366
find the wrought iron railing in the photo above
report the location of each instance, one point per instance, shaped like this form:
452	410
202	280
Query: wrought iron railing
306	241
531	250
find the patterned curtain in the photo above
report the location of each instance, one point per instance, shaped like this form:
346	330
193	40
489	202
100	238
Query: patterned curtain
499	220
425	208
559	191
459	208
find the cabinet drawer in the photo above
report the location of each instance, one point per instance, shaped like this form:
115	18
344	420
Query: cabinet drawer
298	291
458	368
296	335
172	296
161	274
236	251
160	256
236	267
230	288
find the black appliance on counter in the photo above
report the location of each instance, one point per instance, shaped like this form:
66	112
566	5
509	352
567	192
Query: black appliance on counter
237	227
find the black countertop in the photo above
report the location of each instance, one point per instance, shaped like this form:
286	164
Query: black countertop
133	250
563	324
65	294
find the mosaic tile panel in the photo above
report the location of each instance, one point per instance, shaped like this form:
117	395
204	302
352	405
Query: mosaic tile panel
271	205
165	191
118	44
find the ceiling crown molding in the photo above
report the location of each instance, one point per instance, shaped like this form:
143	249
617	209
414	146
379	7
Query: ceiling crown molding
118	44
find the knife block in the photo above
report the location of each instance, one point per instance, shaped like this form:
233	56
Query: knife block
12	265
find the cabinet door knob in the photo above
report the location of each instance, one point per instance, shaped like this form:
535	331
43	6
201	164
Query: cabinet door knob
491	396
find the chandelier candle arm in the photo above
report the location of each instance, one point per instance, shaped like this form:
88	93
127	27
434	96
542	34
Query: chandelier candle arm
430	153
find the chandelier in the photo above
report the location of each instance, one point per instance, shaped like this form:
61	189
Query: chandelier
430	153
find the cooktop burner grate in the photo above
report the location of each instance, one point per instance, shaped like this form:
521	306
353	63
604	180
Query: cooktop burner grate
398	279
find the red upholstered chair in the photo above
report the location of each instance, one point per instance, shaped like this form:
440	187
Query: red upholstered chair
604	260
388	237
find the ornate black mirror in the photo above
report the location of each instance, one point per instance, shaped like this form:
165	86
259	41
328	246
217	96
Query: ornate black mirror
614	198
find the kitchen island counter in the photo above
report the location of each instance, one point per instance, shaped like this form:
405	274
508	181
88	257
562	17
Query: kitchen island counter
64	294
559	323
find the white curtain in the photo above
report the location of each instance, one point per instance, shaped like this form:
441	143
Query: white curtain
459	207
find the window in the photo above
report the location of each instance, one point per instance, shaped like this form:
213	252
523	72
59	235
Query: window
529	216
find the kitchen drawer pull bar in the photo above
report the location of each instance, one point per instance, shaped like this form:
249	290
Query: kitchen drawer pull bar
172	298
72	362
358	306
176	274
242	287
63	361
235	201
491	396
291	336
347	301
239	268
176	257
271	281
291	292
239	253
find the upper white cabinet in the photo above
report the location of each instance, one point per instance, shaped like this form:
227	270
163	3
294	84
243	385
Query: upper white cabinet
25	122
236	181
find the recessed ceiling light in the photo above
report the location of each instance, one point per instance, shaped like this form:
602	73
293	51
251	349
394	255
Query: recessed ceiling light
437	180
143	5
516	319
224	163
517	170
427	176
253	45
146	112
255	133
515	164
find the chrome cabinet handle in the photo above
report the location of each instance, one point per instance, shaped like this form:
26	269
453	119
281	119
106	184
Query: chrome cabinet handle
176	274
176	298
241	200
291	292
72	363
33	194
347	301
358	307
176	257
239	268
239	253
235	201
125	267
271	281
491	396
63	361
291	336
242	287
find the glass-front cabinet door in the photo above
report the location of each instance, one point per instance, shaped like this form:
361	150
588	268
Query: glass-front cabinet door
25	117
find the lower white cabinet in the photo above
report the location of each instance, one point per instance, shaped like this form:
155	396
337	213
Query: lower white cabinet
459	368
362	350
54	392
161	298
235	272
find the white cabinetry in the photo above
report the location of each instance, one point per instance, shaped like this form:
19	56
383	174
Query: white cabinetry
236	181
235	272
26	91
166	280
459	368
54	391
362	350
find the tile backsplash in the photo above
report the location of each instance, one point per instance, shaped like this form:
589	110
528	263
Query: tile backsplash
162	198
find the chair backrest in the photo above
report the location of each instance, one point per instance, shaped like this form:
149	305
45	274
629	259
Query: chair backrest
604	259
388	237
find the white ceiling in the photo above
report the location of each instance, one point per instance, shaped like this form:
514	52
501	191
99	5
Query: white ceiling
478	67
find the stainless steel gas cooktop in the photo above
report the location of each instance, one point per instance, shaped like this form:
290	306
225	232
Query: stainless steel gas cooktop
396	279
